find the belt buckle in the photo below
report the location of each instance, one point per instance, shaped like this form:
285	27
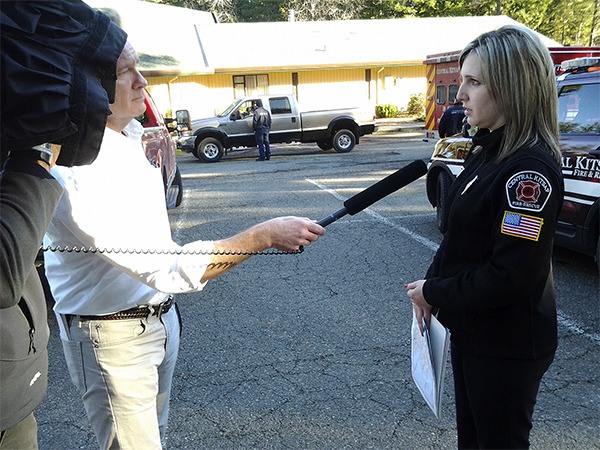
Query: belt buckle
159	310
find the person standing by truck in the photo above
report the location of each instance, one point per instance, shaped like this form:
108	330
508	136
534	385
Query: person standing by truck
261	124
451	122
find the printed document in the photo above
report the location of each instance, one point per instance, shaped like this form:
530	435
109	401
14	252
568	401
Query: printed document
429	356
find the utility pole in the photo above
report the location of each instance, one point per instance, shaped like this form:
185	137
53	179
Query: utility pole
499	7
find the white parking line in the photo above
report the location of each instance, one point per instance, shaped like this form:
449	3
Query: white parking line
563	319
575	327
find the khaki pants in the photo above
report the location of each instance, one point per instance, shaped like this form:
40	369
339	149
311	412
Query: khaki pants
123	370
22	436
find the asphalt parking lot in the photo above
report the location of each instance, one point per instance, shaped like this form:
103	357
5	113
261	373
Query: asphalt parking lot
312	351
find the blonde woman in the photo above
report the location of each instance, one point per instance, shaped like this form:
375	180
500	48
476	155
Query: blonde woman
491	279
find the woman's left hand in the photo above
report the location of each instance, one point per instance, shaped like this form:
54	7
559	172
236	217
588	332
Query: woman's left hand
414	292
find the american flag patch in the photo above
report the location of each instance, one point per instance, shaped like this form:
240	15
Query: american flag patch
520	225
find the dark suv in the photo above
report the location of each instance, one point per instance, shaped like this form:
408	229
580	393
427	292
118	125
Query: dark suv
579	119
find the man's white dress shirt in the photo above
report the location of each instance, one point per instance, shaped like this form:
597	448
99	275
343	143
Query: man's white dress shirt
117	202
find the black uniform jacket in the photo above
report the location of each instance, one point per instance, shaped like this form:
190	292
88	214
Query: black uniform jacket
261	119
491	277
451	121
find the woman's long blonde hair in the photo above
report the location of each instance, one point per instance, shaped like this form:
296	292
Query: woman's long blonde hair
519	73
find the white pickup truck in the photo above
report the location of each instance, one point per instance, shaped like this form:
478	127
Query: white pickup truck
211	138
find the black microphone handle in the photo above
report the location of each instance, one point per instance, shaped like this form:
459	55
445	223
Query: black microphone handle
385	187
333	217
376	192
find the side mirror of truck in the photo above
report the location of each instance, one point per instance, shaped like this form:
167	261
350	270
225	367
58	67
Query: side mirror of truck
235	115
171	124
183	119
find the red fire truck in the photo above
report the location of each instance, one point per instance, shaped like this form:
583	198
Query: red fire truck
443	80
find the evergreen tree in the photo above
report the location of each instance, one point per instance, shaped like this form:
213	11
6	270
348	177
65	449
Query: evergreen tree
574	22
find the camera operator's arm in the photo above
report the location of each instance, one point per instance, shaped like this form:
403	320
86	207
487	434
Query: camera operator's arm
281	233
28	196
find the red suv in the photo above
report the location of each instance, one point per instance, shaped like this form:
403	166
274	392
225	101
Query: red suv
161	151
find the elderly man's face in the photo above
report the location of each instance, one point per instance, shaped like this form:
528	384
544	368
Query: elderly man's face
129	90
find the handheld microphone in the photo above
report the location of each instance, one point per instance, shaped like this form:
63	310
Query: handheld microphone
376	192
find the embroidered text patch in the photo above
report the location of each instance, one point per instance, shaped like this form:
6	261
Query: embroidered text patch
528	190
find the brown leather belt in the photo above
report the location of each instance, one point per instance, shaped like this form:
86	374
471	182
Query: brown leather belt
139	312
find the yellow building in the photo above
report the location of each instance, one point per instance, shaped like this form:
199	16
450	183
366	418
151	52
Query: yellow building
191	62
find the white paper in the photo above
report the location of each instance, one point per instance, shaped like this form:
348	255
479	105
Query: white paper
428	356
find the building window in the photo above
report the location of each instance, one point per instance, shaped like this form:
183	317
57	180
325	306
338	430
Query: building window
389	82
248	85
452	91
440	94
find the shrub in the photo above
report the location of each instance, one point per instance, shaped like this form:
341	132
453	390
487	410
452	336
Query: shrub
416	105
386	111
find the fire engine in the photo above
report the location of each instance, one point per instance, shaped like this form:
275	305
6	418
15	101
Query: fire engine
443	80
579	119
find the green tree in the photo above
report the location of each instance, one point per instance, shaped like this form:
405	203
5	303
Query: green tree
390	9
224	10
259	10
308	10
574	22
571	23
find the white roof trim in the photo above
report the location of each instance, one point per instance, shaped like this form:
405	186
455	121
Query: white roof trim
178	41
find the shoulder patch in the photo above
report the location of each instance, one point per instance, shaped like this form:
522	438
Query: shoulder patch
521	225
528	190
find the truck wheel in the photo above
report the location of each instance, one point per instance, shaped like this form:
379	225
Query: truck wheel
177	182
325	144
210	150
443	184
343	141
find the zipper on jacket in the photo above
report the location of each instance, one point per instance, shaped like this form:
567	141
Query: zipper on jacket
27	314
31	341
